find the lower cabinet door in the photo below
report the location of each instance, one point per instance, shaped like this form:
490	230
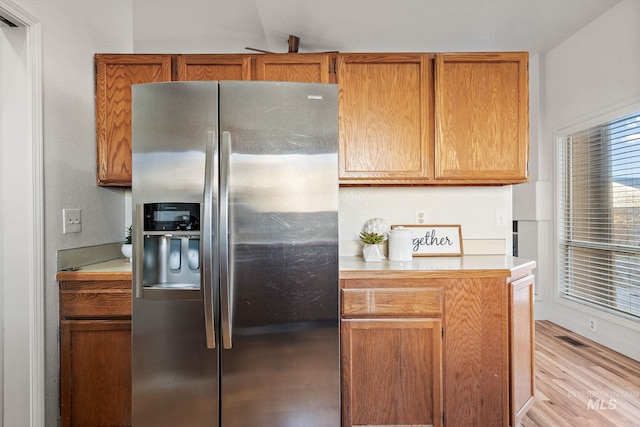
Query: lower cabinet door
392	372
95	373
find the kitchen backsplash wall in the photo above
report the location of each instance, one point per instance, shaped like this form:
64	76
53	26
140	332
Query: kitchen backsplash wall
474	208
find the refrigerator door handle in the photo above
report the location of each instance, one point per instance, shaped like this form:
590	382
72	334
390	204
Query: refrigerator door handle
226	290
209	267
138	251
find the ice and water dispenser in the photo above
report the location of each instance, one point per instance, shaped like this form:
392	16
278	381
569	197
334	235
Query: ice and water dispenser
171	245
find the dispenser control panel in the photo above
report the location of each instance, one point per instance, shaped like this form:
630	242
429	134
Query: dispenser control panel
172	217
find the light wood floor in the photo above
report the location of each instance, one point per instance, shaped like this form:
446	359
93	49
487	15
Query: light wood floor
584	386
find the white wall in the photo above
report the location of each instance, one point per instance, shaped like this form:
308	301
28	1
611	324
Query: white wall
474	208
592	73
532	200
205	26
72	31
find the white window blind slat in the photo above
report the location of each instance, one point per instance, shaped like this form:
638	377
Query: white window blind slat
599	216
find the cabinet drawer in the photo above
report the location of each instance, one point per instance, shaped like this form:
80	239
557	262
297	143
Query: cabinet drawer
392	302
95	303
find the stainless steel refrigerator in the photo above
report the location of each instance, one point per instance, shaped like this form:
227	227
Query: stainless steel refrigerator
235	266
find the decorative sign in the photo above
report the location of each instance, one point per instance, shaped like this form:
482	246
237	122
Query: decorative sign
436	240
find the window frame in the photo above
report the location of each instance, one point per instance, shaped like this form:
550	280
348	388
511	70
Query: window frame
560	179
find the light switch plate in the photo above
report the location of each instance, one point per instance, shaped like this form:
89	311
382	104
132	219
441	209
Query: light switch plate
71	221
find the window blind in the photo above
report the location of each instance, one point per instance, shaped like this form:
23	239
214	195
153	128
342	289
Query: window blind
599	216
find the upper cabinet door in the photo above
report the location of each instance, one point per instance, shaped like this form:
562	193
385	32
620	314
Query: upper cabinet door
482	117
213	67
385	118
114	76
296	67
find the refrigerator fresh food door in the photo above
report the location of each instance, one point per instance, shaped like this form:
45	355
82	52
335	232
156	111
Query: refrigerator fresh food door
279	255
175	366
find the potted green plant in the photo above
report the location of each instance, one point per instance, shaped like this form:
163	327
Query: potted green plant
373	235
127	247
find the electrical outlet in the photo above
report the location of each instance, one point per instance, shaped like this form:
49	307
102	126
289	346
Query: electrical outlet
592	324
71	221
421	216
500	218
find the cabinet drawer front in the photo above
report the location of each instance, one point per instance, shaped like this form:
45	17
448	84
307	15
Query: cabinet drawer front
392	302
95	303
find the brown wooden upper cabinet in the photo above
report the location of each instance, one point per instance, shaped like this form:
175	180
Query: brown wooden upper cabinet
296	67
385	120
404	118
115	73
213	67
114	76
482	117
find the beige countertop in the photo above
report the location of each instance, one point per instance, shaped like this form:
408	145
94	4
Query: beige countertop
352	266
466	265
115	269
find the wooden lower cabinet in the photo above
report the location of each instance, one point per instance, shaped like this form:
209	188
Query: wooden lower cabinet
419	348
391	339
95	353
424	349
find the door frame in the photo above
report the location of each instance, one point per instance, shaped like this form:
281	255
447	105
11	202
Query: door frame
33	246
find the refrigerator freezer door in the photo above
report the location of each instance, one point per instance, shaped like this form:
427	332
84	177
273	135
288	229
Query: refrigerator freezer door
175	374
282	367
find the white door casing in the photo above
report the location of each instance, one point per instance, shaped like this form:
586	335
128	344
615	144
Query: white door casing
21	221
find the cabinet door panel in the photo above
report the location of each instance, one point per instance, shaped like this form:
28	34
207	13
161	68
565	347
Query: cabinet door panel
213	67
114	76
522	348
295	67
392	372
95	372
482	117
385	123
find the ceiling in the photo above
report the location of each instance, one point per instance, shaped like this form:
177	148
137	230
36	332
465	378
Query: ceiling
361	25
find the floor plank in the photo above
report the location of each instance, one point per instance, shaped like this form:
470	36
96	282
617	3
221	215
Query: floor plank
582	385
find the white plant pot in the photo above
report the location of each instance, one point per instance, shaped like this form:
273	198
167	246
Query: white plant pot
127	250
372	253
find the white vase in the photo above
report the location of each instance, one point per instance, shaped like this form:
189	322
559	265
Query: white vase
372	253
127	250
